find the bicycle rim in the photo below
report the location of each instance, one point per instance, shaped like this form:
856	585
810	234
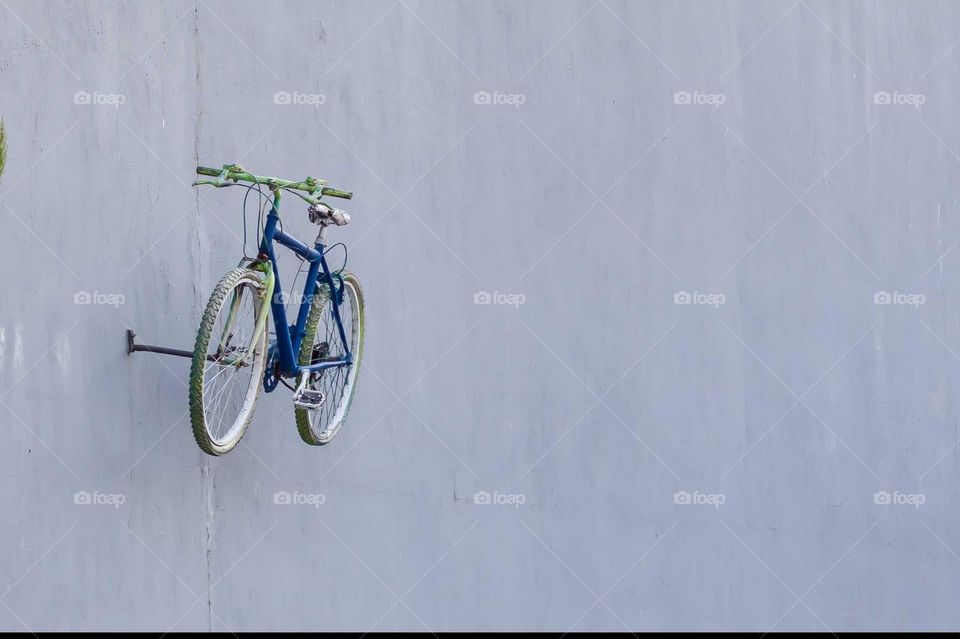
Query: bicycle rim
337	384
231	373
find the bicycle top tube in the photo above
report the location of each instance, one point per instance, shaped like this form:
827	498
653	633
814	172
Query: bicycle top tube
231	174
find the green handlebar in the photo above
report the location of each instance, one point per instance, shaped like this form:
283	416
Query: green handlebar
236	173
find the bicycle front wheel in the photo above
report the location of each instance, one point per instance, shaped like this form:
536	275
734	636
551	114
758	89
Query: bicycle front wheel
227	369
322	341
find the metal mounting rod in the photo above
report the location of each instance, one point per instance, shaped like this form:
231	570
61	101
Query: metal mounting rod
133	347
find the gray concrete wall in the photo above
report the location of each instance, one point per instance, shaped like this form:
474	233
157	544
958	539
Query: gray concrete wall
742	152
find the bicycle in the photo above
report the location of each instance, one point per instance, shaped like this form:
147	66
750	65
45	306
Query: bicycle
232	362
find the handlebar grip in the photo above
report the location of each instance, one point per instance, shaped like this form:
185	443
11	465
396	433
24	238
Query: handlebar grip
346	195
206	170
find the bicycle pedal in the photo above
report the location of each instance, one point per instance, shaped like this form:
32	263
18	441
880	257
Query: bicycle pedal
307	398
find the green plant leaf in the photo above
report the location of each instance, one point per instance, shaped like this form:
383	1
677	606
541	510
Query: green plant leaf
3	147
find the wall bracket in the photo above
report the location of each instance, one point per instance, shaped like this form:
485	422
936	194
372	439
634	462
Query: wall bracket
133	347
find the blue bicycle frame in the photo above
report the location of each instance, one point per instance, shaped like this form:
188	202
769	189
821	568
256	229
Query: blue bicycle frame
290	337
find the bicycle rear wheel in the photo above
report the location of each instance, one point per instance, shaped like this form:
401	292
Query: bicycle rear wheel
322	341
227	369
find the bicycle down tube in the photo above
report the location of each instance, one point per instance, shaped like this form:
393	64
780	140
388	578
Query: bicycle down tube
287	344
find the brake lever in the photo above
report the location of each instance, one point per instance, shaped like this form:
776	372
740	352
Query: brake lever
221	180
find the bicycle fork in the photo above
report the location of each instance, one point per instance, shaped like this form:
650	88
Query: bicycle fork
265	293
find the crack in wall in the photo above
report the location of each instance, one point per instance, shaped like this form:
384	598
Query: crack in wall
206	470
206	491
